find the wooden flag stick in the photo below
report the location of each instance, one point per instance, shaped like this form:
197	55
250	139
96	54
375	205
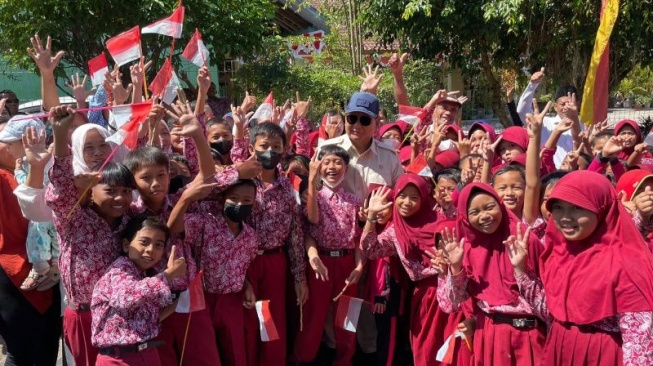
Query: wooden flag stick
469	346
183	347
301	317
341	293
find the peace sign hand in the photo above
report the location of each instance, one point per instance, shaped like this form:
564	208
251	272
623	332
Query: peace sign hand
517	247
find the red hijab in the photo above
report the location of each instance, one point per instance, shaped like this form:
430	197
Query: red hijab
608	273
625	153
415	234
631	181
483	126
448	159
491	275
517	135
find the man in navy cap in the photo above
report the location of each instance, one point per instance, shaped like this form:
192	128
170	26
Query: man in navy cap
372	163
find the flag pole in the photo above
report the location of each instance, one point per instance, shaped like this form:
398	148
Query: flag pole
147	94
183	348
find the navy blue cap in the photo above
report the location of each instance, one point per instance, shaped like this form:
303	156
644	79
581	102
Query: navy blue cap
365	103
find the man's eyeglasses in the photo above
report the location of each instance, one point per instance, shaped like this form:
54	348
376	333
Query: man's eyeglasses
364	120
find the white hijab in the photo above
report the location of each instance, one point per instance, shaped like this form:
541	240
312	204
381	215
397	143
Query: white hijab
78	140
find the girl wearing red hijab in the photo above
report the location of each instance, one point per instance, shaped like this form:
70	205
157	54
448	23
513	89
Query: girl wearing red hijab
631	134
597	275
507	330
635	189
410	235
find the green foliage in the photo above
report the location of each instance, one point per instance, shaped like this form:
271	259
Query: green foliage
80	27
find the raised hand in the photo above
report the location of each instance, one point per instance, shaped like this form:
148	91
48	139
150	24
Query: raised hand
517	247
314	168
334	130
84	180
536	119
644	202
371	81
199	190
488	149
396	63
188	125
42	56
376	201
248	103
204	79
463	145
137	71
239	116
613	147
250	168
36	153
301	107
176	266
78	88
571	107
113	84
438	261
452	249
537	76
60	119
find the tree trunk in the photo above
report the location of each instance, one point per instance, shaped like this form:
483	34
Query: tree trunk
498	106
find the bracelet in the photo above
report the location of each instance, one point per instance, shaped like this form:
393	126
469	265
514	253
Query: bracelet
371	220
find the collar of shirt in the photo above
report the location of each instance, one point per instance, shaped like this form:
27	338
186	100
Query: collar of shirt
142	207
277	181
349	147
328	193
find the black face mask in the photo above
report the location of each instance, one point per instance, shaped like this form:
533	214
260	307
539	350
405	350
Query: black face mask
178	183
222	146
237	213
269	159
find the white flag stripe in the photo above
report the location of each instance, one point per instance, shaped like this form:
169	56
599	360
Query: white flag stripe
353	312
122	114
130	54
261	321
98	76
183	305
165	27
118	138
170	91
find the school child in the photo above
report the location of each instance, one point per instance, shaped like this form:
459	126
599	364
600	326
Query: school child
276	217
88	238
333	223
225	247
128	298
509	182
507	330
150	167
220	137
42	247
634	151
410	236
446	182
635	189
596	278
514	141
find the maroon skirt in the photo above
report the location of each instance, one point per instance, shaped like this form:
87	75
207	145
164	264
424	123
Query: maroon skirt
497	344
430	326
582	346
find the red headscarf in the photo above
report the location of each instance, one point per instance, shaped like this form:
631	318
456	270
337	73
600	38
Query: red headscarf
625	153
631	180
405	153
448	159
491	275
608	273
416	233
483	126
517	135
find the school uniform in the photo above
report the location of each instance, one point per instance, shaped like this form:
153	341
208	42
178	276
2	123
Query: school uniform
88	247
276	217
224	260
336	235
125	312
180	330
508	330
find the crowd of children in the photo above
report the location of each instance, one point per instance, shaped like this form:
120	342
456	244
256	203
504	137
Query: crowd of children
525	247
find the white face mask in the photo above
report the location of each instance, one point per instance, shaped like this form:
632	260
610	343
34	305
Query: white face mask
334	185
447	145
392	142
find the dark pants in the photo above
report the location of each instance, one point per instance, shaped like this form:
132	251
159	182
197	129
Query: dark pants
32	338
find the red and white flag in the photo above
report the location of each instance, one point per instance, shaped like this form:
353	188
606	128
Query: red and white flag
195	51
266	325
128	119
409	114
296	182
126	46
349	309
192	299
170	26
420	167
97	68
165	83
264	111
445	353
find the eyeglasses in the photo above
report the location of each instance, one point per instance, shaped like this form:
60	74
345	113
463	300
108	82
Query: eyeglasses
364	120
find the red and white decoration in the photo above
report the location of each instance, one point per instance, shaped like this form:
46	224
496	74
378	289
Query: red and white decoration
170	26
128	118
349	310
266	325
264	111
166	83
97	68
313	44
445	353
196	52
409	114
192	299
420	167
126	46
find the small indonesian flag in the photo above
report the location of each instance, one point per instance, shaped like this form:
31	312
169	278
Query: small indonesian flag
126	46
196	52
165	83
349	309
264	111
445	353
296	182
97	68
192	299
420	167
170	26
128	118
410	115
266	325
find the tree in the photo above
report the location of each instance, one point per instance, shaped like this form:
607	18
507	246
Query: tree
80	27
486	36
